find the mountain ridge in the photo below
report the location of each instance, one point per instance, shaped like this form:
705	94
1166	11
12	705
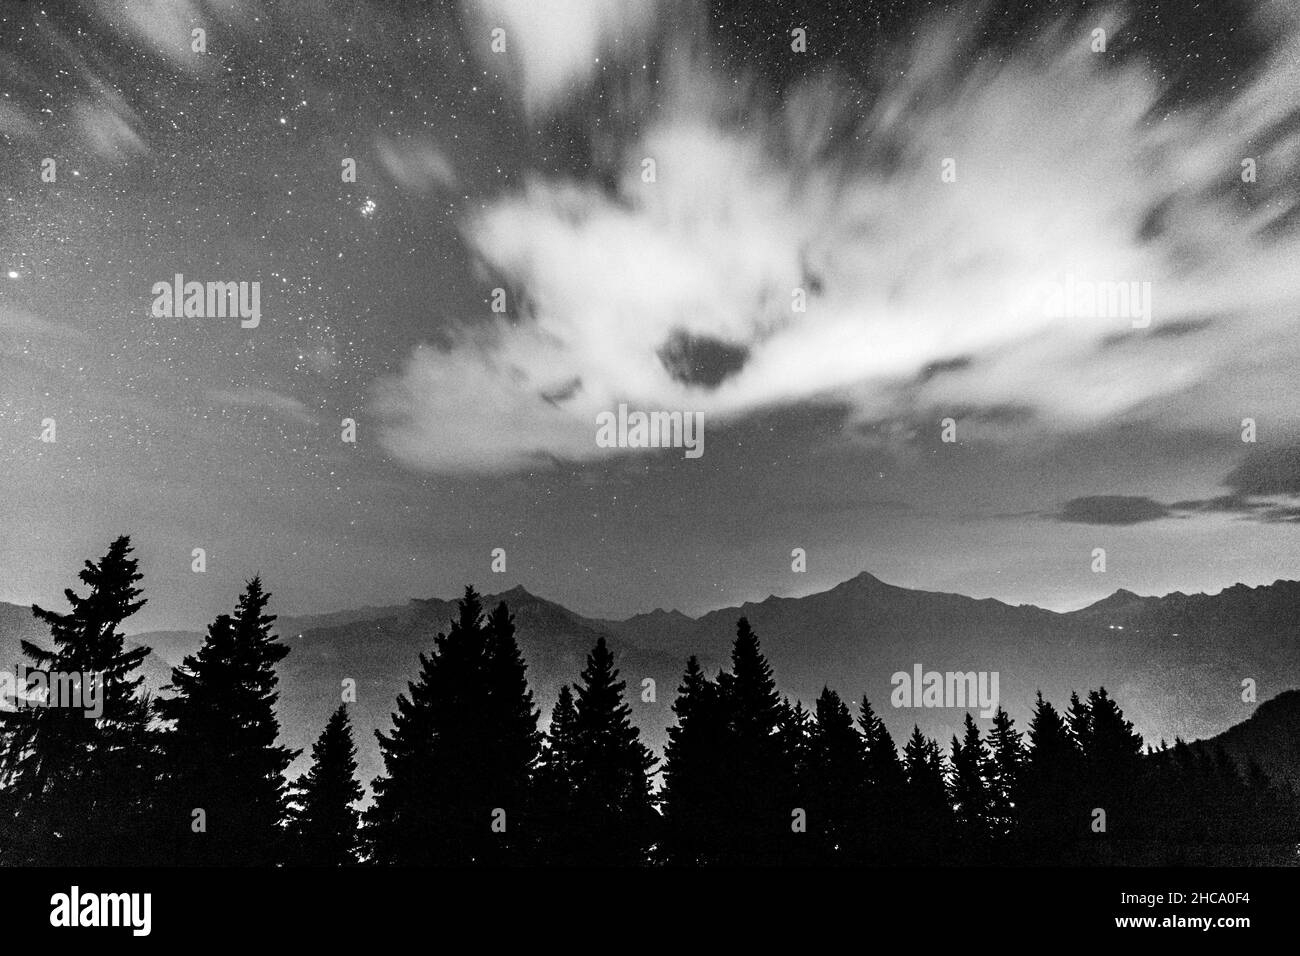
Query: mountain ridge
1161	657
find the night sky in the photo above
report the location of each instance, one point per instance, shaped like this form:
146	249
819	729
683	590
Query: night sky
523	170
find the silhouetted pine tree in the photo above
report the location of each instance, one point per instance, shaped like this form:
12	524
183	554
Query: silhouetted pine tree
461	751
324	821
221	756
972	767
794	737
883	842
883	768
1008	755
1053	817
692	781
1112	754
1078	722
612	769
794	734
78	785
1111	740
928	818
509	724
836	781
556	785
758	774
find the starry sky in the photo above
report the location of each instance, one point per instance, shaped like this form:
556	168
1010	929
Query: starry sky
520	164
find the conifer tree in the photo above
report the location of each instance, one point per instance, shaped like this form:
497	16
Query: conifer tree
758	773
1008	755
426	811
885	799
884	771
928	815
511	739
1052	813
225	787
837	778
324	827
926	770
1078	721
77	773
795	759
460	755
1111	742
613	769
557	759
971	769
794	737
1111	764
692	782
555	789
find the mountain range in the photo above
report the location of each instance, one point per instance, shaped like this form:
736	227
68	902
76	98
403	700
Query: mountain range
1176	663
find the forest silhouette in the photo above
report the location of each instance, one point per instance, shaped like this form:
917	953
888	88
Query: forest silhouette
197	776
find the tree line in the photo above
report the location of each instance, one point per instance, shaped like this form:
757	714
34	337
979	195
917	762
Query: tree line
198	777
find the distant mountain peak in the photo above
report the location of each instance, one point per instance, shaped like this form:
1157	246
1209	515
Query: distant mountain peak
517	593
662	613
1119	600
863	580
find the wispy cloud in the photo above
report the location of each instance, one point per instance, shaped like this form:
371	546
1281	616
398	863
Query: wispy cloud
417	164
552	47
18	323
1067	168
263	399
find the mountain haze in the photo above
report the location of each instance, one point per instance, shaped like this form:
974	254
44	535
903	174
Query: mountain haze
1175	663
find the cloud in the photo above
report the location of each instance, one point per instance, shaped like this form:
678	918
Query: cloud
26	336
814	253
14	123
473	411
164	27
29	325
1267	471
1112	509
1264	487
263	399
108	130
417	165
553	46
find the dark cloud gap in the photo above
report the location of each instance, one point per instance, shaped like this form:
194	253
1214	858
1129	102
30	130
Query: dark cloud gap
1173	329
1200	57
999	414
935	369
701	359
1155	222
560	395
